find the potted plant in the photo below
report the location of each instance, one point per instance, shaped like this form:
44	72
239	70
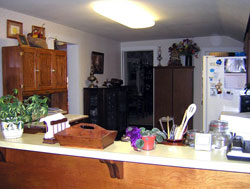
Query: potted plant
14	113
144	139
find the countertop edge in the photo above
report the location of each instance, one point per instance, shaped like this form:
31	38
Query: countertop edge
232	166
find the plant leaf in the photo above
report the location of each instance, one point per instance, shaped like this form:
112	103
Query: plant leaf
159	138
155	130
139	143
161	134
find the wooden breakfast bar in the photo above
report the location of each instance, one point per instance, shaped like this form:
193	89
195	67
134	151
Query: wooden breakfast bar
28	163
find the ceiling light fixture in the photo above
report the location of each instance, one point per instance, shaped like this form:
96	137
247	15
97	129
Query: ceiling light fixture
126	12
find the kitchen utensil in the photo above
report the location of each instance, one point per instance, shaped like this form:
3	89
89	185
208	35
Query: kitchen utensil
179	129
189	113
163	119
172	132
168	126
167	120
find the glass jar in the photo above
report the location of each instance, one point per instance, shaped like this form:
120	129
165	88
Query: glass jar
220	134
190	137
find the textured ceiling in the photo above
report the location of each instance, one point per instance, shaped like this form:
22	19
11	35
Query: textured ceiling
175	18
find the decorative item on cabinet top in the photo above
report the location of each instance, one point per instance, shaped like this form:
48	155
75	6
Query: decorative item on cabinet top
22	40
159	57
37	37
92	78
186	48
38	32
175	59
14	28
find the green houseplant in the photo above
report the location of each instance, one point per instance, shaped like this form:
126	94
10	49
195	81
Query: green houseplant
14	113
141	138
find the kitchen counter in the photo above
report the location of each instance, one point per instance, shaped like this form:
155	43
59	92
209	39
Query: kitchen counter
166	155
28	163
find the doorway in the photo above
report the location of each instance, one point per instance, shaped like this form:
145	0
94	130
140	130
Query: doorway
138	66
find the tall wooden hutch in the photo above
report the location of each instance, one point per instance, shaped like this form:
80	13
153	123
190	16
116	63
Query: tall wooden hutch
36	71
173	92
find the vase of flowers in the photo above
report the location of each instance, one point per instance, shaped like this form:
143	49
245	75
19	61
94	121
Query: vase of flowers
143	139
188	48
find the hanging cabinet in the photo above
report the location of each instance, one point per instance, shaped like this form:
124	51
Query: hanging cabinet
36	71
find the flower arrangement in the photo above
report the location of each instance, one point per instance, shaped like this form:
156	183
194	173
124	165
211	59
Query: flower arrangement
135	135
188	47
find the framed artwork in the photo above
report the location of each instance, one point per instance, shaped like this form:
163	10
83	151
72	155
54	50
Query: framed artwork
22	40
97	62
39	31
14	28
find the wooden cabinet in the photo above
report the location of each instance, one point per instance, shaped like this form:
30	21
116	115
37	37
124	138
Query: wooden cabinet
36	71
173	93
37	66
59	70
27	169
107	107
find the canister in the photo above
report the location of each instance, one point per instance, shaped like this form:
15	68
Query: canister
220	134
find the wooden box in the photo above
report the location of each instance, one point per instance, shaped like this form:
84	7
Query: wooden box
86	135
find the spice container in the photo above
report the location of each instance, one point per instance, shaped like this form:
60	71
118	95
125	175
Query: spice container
220	133
190	139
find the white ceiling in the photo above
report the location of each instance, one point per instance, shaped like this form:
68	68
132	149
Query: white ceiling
175	18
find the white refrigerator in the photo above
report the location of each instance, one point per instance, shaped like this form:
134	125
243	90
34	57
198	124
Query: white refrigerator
223	79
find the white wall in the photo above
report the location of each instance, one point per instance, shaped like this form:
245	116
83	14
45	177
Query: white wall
79	55
207	44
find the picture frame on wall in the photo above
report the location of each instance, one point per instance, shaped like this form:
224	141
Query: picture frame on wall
14	28
22	40
39	31
97	62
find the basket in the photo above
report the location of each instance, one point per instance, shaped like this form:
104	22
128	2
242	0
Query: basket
37	42
86	135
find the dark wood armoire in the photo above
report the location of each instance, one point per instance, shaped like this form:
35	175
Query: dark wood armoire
173	93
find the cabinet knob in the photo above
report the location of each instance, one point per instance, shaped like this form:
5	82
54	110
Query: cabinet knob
37	70
53	70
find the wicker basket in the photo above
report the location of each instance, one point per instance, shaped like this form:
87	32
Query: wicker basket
37	42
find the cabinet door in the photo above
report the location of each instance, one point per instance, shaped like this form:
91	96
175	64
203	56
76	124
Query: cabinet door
93	105
182	93
29	69
44	69
163	93
60	70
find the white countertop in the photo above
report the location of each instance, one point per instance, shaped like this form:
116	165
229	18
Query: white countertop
166	155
